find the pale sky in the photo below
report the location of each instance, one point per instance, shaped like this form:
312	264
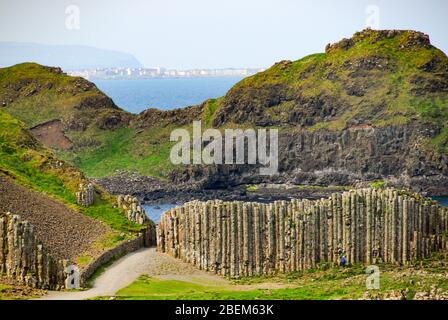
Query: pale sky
186	34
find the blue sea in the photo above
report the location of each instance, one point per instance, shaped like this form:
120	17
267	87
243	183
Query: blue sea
155	211
442	200
164	93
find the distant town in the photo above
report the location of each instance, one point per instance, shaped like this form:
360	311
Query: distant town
157	72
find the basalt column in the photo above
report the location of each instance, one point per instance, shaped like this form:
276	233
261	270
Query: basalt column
24	259
362	226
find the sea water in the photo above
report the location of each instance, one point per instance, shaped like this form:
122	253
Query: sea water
154	211
164	93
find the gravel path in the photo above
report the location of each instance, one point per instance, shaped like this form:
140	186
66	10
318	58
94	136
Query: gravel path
149	262
126	270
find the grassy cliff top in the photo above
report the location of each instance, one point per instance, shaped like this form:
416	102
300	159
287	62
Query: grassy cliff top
36	94
377	77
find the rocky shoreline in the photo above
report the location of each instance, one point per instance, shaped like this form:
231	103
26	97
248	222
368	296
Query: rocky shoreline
152	191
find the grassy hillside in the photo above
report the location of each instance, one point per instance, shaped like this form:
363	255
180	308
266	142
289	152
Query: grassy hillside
28	163
103	141
144	151
36	94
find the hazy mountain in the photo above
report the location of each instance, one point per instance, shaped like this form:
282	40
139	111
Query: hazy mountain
65	56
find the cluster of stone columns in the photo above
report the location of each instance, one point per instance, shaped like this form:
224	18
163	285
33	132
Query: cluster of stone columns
24	259
244	239
86	195
131	206
136	213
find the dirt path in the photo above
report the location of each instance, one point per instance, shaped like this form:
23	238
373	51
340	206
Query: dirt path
126	270
149	262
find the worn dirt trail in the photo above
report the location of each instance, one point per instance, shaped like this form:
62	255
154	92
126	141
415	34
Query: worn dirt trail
149	262
122	273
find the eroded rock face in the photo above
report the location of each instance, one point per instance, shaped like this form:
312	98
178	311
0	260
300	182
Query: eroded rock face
361	152
52	135
158	118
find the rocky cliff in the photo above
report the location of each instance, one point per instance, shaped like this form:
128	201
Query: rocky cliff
374	106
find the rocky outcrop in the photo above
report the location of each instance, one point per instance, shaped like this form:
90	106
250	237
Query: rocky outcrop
397	154
131	206
160	118
410	39
86	195
24	259
245	239
340	118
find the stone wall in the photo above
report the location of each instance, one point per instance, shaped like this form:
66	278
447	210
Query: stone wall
147	237
23	258
86	195
244	239
117	252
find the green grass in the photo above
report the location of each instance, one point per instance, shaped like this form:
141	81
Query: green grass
146	152
210	108
102	210
40	95
377	184
251	188
83	260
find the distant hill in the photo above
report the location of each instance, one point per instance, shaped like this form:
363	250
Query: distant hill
67	57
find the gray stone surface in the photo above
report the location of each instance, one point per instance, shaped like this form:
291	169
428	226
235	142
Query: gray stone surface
363	225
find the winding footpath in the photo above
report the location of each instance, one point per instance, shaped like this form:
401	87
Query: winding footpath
148	261
123	272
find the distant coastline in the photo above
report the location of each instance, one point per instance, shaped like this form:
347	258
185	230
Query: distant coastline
159	72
